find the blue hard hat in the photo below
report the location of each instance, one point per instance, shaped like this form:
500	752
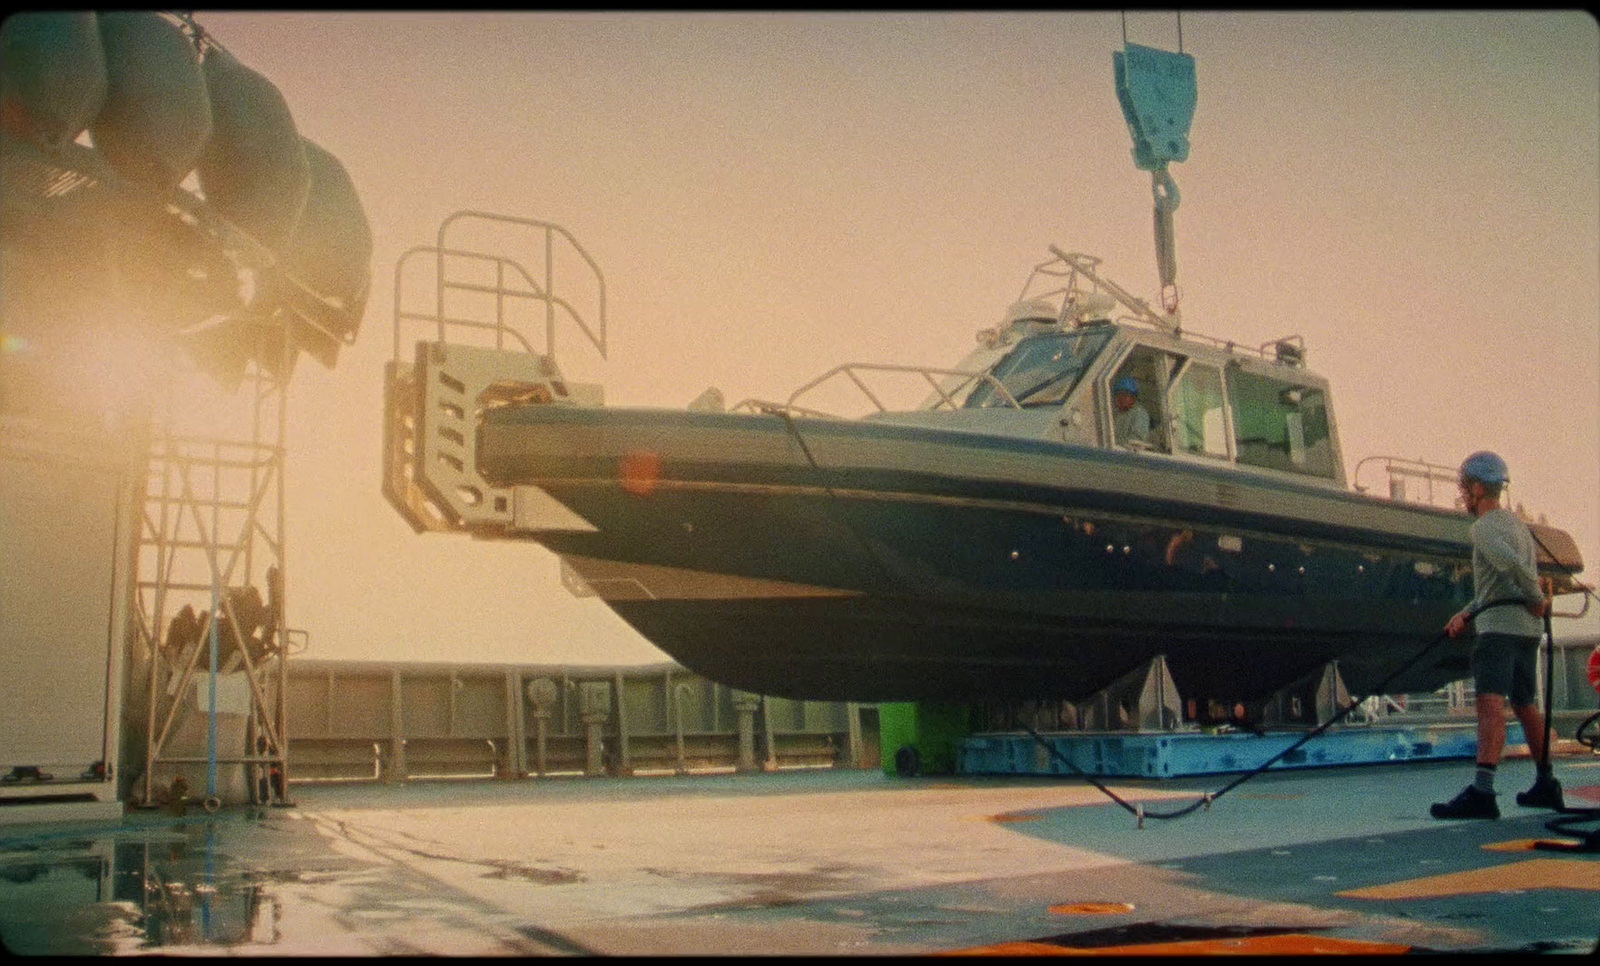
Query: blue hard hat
1486	467
1126	384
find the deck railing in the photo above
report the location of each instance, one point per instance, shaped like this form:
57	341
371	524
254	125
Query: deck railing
399	721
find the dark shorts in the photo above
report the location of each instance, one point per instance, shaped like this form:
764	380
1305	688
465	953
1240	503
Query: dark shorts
1504	664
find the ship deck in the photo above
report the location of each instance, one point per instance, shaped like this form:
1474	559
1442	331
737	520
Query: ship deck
816	861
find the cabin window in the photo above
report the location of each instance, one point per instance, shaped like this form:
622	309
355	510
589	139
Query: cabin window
1042	370
1200	428
1280	425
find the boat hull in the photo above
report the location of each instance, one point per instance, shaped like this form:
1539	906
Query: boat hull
849	647
834	560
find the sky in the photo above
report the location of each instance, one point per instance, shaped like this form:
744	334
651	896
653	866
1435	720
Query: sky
1416	194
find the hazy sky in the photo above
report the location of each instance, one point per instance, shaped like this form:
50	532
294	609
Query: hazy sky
769	195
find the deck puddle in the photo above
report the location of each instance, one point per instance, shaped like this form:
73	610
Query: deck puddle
127	890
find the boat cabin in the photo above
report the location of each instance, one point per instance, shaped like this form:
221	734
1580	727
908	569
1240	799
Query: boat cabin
1054	372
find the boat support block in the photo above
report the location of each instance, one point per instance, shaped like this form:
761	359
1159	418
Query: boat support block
1144	699
1314	699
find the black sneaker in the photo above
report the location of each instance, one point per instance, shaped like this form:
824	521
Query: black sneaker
1545	793
1471	803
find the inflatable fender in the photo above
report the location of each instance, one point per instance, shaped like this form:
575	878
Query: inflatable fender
52	76
331	251
157	116
253	170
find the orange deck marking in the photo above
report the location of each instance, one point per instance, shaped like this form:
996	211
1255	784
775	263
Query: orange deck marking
1283	944
1528	874
1018	948
1091	908
1515	845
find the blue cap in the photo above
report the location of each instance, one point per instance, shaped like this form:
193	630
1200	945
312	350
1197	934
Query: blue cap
1486	467
1126	384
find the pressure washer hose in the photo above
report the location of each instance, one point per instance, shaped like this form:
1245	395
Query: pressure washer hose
1571	816
1137	810
1588	841
1205	800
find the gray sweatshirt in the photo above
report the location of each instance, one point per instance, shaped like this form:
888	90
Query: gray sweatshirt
1503	565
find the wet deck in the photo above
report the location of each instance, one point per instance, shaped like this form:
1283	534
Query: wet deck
816	862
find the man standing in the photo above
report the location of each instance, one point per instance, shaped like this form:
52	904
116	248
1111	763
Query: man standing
1506	650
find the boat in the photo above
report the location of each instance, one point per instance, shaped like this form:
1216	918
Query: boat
997	541
1007	539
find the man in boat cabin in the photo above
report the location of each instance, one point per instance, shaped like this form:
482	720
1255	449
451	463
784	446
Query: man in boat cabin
1506	647
1131	420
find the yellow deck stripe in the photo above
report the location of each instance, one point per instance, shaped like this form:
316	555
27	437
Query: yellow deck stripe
1282	944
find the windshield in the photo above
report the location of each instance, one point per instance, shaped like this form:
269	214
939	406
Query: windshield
1041	370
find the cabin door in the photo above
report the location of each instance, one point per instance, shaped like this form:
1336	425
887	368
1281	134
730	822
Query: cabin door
1199	421
1138	393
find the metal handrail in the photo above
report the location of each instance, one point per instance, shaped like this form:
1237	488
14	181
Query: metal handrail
768	408
1400	468
1078	265
946	396
1081	264
550	230
512	281
502	331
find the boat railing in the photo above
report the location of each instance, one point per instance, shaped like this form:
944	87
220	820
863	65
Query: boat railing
768	407
946	392
1075	267
1413	481
475	297
1433	484
1290	350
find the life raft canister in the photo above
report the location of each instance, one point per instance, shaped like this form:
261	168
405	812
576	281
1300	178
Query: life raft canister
157	116
52	76
253	170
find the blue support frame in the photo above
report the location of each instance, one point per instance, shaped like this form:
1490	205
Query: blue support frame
1172	755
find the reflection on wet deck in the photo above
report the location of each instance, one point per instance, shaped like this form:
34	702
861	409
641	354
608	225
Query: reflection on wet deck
813	862
122	890
255	882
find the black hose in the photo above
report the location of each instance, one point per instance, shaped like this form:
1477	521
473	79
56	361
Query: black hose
1549	685
1207	798
1592	839
1587	841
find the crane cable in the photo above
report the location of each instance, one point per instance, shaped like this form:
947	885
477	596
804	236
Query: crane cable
1177	13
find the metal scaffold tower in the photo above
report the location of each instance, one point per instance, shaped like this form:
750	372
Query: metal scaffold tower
160	207
210	604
